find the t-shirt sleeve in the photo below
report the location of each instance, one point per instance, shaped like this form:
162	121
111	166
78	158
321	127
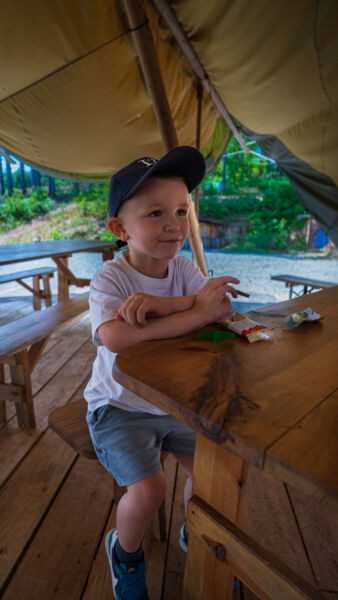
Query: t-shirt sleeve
105	298
193	278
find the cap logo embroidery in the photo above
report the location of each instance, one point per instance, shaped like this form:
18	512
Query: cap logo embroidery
147	161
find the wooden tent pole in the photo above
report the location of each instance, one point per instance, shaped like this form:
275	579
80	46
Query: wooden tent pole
175	27
198	135
144	43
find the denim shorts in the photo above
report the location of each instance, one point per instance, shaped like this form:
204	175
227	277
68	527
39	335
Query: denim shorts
129	444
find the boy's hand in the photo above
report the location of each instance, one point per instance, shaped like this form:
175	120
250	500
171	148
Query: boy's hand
139	306
212	303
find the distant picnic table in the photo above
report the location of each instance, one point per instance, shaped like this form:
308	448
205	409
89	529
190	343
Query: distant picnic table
59	251
308	283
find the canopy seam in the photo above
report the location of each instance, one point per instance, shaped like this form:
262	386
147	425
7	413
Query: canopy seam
72	62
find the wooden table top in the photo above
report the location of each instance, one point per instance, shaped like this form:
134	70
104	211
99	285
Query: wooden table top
272	403
13	253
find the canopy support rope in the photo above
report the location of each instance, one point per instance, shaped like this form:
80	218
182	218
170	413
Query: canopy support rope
174	26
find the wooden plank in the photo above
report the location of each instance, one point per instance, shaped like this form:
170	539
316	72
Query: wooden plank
35	352
9	391
26	496
313	472
67	342
46	290
268	518
65	383
99	584
66	543
258	569
35	326
69	422
218	480
13	253
21	375
28	273
176	557
3	405
14	445
319	527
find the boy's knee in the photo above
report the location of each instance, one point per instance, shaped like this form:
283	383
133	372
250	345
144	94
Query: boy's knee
150	491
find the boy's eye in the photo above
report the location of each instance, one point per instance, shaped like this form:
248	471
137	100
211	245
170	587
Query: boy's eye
155	213
182	212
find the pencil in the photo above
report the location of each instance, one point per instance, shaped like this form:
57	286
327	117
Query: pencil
243	294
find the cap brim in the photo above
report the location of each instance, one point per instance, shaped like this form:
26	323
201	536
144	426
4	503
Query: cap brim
186	161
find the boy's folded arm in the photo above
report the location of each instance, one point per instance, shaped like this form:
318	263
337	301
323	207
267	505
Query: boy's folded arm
117	335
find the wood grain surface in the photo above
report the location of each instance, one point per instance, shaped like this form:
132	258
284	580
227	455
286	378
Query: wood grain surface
243	396
13	253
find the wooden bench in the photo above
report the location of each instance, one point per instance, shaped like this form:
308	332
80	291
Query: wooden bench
21	344
40	274
308	284
69	422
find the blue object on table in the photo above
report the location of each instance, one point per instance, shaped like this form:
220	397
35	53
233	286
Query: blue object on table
321	239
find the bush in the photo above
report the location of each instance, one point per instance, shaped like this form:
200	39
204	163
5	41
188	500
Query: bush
94	202
17	209
272	216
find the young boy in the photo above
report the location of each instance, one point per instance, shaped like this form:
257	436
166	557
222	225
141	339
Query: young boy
145	293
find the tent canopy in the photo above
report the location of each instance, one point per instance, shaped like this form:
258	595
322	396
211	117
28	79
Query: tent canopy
73	99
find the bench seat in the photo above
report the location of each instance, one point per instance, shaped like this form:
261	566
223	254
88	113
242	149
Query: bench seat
21	345
308	284
38	274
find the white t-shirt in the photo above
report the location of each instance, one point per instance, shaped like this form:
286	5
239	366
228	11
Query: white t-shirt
113	283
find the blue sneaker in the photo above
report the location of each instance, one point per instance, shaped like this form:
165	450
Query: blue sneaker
128	583
184	536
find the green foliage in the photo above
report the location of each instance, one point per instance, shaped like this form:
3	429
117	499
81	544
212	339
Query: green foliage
270	210
108	236
94	202
55	234
17	209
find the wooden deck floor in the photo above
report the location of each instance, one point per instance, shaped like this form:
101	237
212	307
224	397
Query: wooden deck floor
56	507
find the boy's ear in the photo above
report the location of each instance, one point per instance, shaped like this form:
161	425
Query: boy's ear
116	227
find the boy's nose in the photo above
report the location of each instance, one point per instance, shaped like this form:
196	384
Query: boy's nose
172	224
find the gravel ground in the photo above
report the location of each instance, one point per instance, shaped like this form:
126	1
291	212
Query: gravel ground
253	270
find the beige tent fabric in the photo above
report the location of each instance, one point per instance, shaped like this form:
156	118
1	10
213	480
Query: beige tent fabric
275	65
73	99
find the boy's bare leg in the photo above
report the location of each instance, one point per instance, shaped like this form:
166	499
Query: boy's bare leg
186	463
136	509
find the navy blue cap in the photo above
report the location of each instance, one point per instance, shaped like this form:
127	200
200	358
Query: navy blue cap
186	161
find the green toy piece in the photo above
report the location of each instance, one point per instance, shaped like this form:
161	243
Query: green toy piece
217	336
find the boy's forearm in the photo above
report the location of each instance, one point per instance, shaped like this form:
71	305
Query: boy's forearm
117	335
182	303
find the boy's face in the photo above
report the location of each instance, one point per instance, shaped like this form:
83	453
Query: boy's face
154	222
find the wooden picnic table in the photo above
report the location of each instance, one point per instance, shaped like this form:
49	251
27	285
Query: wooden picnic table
272	404
308	283
59	251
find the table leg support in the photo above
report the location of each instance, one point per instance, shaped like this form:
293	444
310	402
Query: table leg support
21	375
63	282
265	575
219	480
